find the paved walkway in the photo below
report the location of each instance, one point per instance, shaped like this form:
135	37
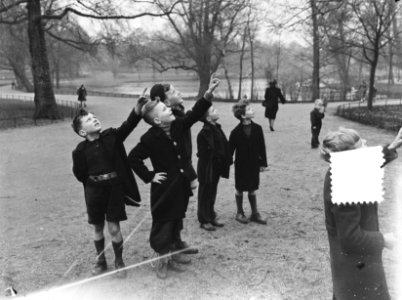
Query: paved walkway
45	240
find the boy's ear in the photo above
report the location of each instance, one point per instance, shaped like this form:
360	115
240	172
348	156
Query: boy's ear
82	133
157	121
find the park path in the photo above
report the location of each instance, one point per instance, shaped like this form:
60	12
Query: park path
46	242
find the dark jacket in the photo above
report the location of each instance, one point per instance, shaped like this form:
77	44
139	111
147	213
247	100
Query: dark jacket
316	119
356	246
188	145
112	139
272	96
250	156
82	94
169	199
207	156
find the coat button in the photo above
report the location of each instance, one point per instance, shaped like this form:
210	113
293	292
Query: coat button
181	170
178	156
174	143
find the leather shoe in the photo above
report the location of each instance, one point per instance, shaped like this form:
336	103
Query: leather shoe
207	227
175	267
99	268
217	224
257	219
241	218
180	245
119	265
181	259
161	268
272	128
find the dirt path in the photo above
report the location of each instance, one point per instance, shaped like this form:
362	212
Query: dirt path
46	241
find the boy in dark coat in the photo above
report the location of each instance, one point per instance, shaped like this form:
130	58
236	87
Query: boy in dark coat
164	145
213	162
316	116
247	140
100	163
272	96
355	242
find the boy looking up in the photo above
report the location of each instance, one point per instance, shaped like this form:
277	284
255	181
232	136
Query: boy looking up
100	163
164	145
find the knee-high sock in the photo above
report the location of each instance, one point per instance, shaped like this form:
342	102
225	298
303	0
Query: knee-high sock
239	203
118	249
253	203
100	247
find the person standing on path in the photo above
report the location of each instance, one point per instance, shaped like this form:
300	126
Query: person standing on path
272	96
100	164
164	145
214	161
363	91
355	241
82	95
247	140
316	116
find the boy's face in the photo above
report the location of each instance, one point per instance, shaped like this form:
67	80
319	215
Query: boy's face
213	114
89	124
249	113
173	97
163	114
319	104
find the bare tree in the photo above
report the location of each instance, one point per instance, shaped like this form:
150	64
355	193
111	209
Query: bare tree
36	13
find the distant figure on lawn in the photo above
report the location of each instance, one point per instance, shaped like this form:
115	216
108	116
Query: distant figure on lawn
363	91
100	163
82	95
13	85
165	145
214	161
316	116
272	96
247	140
355	242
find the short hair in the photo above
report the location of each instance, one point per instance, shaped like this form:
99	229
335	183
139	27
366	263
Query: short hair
146	111
159	91
341	140
76	124
272	82
239	108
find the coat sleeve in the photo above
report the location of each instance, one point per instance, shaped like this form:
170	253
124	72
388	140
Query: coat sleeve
262	150
388	155
232	145
136	159
352	237
313	119
127	126
204	167
196	113
80	169
281	98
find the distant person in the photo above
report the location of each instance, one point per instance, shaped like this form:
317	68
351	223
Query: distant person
100	163
213	163
272	96
316	116
13	85
363	91
164	145
82	95
246	141
355	241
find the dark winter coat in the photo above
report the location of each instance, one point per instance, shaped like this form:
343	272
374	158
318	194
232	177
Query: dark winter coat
316	119
112	140
82	94
272	96
356	246
250	156
169	199
188	145
207	163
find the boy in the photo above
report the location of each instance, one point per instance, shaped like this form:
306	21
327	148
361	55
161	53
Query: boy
164	144
100	163
213	162
247	140
316	116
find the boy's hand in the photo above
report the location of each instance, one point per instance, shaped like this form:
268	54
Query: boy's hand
213	84
397	142
141	102
159	177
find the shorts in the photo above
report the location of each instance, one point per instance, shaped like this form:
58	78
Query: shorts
105	200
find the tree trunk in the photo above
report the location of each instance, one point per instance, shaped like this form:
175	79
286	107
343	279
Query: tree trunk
252	63
241	65
45	102
20	76
204	77
373	67
316	52
225	69
391	46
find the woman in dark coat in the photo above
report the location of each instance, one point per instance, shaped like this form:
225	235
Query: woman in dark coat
272	96
355	241
82	95
247	140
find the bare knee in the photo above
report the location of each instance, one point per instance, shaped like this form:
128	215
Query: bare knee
114	229
98	231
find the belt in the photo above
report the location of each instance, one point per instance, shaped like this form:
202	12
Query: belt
103	177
